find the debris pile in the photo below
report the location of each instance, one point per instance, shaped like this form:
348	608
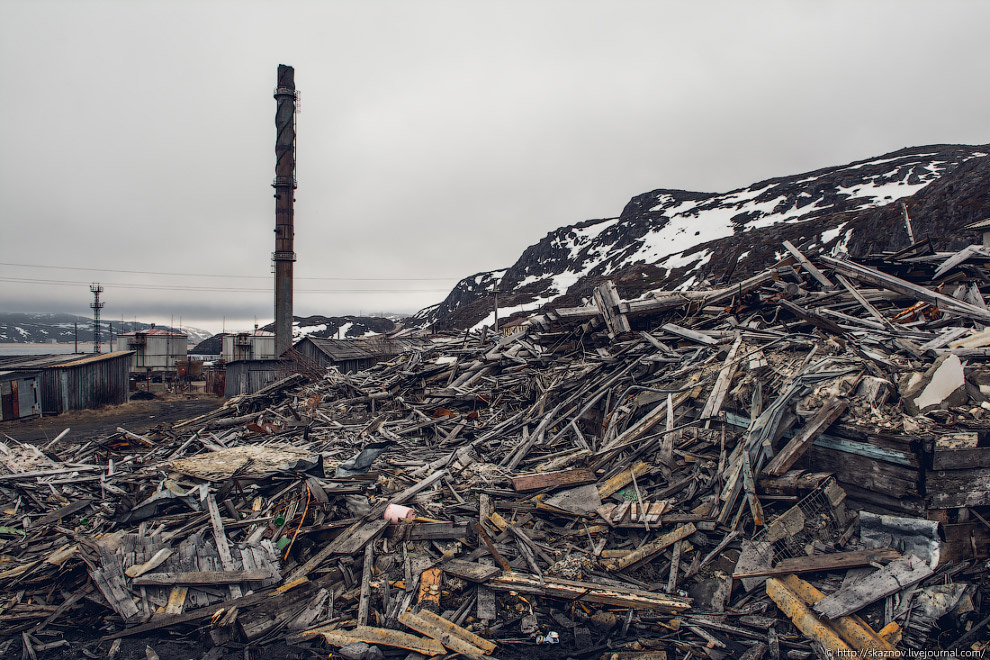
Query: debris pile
789	466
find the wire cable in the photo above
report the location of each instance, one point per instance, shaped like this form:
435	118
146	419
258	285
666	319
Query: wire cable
263	277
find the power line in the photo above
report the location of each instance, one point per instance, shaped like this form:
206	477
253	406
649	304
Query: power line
205	289
260	277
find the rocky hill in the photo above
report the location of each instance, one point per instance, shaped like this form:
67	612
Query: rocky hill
669	238
22	328
350	327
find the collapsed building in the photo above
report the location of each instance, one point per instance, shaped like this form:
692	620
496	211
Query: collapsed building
792	465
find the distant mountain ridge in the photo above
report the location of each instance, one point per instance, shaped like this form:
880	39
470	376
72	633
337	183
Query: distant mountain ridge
331	327
668	238
29	328
346	327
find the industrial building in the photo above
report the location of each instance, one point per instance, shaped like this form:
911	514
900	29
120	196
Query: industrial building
72	382
256	345
156	352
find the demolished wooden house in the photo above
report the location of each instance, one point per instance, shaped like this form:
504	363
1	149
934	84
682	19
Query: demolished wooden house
790	466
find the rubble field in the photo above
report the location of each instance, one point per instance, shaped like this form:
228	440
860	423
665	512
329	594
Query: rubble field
795	465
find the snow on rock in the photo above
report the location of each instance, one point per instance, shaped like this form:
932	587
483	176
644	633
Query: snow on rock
671	238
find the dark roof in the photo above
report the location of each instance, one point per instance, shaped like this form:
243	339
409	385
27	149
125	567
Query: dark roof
35	362
341	349
152	331
979	224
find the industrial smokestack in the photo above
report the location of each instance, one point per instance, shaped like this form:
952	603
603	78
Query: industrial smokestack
97	306
285	185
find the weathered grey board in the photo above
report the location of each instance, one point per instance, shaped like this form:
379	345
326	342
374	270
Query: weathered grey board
949	489
888	580
469	570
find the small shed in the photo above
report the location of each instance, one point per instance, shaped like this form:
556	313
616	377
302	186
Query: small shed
345	354
19	395
249	376
76	381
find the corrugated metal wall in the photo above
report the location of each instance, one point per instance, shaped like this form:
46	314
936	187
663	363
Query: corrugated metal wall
19	397
91	385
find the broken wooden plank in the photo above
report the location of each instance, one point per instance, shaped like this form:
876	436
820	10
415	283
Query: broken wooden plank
365	600
875	277
192	578
799	444
830	562
157	560
807	265
452	636
562	478
348	542
420	531
384	637
690	335
429	588
572	590
622	479
470	571
888	580
223	546
647	550
607	301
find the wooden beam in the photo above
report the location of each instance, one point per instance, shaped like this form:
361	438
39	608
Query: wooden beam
559	479
365	600
888	580
202	577
384	637
836	561
647	550
807	265
454	637
801	442
573	590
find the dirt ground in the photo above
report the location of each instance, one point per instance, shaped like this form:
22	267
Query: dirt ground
135	416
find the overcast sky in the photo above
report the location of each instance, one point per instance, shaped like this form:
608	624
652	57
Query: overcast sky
435	139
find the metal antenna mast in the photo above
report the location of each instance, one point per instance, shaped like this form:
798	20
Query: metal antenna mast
97	306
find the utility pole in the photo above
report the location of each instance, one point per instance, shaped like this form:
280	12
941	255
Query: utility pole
76	349
495	291
97	306
285	186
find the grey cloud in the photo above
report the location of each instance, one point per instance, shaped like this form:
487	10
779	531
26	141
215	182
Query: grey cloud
436	139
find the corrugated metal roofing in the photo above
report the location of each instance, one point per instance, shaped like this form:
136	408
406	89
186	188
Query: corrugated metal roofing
21	362
979	224
89	359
